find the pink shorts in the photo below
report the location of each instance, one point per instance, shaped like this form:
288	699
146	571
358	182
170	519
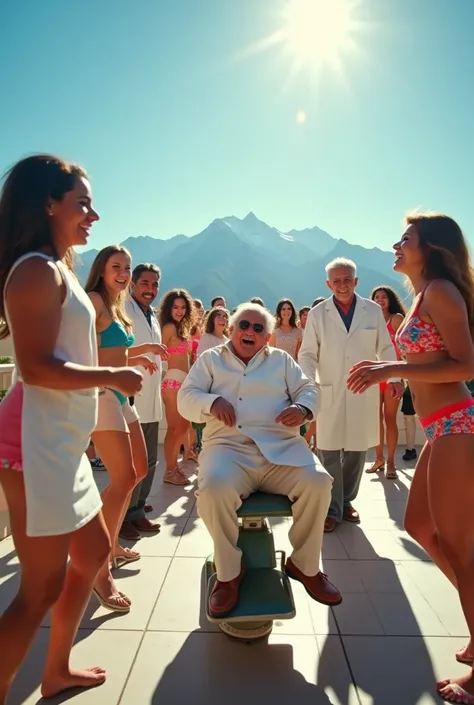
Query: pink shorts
450	420
10	428
173	379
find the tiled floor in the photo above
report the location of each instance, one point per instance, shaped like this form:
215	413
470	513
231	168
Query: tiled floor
393	636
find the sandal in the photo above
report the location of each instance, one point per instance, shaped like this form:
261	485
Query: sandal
391	472
176	477
462	657
129	557
191	455
452	692
377	466
112	604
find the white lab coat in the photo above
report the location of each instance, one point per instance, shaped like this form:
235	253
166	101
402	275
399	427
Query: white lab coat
258	392
346	421
148	400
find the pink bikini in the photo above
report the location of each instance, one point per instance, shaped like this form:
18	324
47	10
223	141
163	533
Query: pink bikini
418	336
174	378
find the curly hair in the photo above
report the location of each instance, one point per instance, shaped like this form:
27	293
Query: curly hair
395	304
187	323
446	254
293	322
95	282
210	318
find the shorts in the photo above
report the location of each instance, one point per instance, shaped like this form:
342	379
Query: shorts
407	403
10	428
113	415
450	420
383	386
173	379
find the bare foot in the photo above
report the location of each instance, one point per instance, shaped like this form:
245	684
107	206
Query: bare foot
89	678
458	690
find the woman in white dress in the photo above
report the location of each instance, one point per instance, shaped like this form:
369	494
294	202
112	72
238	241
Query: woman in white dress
48	415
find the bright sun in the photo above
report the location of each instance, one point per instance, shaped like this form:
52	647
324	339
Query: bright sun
318	31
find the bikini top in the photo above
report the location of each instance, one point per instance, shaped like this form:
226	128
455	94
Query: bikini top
180	349
418	336
115	336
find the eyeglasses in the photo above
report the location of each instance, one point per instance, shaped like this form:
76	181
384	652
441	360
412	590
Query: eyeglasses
257	327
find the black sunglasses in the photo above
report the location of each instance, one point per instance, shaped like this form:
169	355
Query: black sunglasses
257	327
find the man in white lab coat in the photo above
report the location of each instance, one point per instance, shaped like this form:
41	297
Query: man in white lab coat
341	331
254	399
145	287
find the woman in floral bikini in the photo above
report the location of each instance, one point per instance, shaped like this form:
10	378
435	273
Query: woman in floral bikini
436	341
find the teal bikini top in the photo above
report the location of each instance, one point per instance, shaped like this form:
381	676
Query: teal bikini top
115	336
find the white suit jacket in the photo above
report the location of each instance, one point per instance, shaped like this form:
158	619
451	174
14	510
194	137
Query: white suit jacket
258	392
346	421
148	400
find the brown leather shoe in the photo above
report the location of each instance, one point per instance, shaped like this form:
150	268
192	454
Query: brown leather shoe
329	525
351	514
224	596
146	526
318	586
128	532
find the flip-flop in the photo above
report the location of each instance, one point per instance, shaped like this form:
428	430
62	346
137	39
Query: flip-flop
467	660
131	557
113	607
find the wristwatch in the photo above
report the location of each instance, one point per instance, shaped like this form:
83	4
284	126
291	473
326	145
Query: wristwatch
304	410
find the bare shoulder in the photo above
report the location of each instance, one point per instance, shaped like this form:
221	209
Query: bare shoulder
442	292
47	279
97	302
41	271
168	332
397	320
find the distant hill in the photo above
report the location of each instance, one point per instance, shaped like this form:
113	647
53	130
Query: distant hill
240	258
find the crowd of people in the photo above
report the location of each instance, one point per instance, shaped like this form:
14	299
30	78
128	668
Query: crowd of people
288	403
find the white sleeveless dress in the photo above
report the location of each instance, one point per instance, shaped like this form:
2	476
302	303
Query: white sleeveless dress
61	493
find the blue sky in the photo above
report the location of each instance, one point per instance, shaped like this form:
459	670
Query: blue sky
176	128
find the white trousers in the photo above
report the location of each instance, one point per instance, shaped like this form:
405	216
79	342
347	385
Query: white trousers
228	475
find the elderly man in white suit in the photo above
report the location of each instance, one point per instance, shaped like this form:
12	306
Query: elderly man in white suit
254	399
145	287
341	331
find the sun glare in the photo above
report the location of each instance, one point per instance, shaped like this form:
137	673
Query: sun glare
318	31
316	34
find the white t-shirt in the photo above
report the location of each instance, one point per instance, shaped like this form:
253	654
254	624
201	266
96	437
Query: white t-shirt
208	341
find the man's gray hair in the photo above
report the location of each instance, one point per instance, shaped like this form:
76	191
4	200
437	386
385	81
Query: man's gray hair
243	309
341	262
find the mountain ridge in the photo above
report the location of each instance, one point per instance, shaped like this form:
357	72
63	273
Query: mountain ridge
240	258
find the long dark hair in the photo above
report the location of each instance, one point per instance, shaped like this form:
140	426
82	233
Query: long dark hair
395	304
28	188
446	254
185	326
211	317
293	318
